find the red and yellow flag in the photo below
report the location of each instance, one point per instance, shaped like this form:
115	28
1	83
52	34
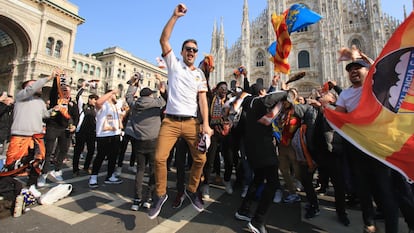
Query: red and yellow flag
284	44
383	123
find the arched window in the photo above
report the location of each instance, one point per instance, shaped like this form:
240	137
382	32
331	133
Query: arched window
79	68
260	59
303	59
98	72
86	69
49	46
123	74
92	70
58	49
73	64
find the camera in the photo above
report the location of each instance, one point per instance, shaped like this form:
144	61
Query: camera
135	79
241	69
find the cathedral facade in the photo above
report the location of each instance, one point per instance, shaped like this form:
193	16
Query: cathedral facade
314	49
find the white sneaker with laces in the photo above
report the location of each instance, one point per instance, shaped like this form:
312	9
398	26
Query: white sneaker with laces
93	181
36	193
41	181
229	189
113	180
278	196
57	175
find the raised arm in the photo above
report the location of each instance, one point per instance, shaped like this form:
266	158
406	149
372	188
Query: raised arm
107	96
179	11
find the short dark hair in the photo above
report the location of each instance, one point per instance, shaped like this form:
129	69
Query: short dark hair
188	41
93	96
221	83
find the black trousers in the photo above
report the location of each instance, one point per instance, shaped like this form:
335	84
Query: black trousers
333	166
63	142
82	139
107	147
145	153
374	178
124	145
306	177
270	174
181	153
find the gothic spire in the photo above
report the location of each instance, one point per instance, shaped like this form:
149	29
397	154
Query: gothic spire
405	12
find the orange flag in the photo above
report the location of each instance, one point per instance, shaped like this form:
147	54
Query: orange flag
284	44
383	123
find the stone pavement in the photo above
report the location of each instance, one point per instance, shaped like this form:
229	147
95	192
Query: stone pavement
107	209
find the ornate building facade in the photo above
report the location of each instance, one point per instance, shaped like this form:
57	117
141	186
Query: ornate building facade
38	36
314	49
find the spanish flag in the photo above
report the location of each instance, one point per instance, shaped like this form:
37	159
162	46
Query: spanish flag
383	123
283	45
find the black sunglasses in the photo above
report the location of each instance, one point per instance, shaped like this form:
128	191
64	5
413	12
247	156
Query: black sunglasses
189	49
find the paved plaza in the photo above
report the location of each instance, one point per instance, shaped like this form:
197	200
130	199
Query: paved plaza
107	209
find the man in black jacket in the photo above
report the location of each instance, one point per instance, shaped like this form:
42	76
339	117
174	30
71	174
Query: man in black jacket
85	130
261	154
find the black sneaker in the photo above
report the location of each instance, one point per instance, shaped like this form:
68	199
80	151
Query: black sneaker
256	227
136	204
195	200
312	212
179	199
154	211
243	215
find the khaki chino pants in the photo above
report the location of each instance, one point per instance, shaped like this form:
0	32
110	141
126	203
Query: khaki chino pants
170	131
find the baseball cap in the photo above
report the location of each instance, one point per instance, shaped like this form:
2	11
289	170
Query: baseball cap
146	92
358	62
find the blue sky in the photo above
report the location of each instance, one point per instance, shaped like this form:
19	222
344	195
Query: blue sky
136	25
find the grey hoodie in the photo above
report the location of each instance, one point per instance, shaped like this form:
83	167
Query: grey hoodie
145	117
29	111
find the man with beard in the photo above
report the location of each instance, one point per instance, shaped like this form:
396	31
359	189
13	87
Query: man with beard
371	176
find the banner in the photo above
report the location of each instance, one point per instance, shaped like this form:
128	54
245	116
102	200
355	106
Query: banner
383	123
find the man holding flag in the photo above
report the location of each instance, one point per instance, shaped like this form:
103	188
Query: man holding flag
370	175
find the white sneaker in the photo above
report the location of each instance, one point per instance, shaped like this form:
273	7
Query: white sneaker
113	180
56	193
57	175
278	196
118	171
229	189
205	191
93	181
132	169
41	181
244	191
34	191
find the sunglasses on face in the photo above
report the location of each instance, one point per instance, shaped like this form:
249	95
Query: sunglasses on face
191	49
